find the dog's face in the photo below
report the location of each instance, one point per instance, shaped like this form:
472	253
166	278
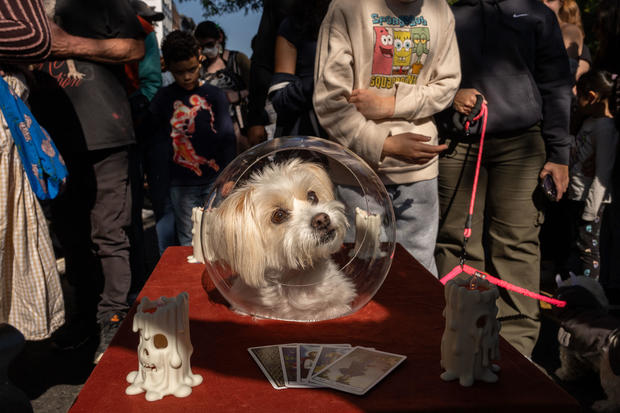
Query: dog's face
284	217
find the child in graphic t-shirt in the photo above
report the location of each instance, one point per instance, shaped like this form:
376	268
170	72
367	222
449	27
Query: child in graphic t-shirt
383	69
595	143
196	123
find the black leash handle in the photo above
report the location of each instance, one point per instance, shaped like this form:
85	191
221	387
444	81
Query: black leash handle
475	110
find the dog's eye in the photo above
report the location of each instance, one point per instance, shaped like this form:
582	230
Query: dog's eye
279	216
312	197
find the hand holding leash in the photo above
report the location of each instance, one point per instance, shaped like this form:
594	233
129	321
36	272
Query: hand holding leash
461	266
466	100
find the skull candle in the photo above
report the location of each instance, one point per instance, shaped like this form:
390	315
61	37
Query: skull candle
164	350
368	229
470	340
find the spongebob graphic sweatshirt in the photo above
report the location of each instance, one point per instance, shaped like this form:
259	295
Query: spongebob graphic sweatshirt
405	49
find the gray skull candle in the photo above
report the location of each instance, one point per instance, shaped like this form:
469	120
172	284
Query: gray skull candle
164	349
470	340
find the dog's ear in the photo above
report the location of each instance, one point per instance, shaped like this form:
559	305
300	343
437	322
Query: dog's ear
320	174
237	237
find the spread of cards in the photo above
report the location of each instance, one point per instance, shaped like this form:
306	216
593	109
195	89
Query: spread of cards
338	366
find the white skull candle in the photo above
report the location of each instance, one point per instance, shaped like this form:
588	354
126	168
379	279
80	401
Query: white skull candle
197	256
367	232
164	349
470	340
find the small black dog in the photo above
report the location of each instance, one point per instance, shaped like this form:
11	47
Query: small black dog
589	337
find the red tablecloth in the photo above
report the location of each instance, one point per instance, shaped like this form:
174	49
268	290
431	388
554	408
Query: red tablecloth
404	317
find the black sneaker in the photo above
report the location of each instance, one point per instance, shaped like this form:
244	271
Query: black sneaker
106	334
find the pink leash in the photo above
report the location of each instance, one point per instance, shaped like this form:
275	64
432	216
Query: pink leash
462	267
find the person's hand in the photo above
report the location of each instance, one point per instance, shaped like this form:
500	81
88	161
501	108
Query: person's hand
256	134
465	100
559	173
411	147
371	105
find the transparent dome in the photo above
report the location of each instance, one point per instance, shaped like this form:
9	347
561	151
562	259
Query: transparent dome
298	229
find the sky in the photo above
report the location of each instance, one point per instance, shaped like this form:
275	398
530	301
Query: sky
239	27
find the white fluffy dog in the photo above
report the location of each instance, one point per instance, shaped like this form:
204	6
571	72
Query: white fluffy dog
277	231
589	338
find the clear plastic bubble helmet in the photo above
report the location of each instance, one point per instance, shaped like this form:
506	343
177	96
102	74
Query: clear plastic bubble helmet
298	229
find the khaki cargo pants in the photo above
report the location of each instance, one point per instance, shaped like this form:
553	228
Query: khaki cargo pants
506	223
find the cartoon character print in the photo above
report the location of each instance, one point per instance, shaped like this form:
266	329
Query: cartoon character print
421	38
402	52
383	53
183	124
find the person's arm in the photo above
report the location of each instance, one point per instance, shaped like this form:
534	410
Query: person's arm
333	74
121	50
25	31
585	61
573	40
157	124
244	65
289	95
605	141
224	127
261	68
421	101
554	80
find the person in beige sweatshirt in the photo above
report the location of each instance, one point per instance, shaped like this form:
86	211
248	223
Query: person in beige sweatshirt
383	68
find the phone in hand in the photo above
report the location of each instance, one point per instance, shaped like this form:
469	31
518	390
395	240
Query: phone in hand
548	187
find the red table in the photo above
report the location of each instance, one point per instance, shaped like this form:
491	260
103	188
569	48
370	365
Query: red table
404	317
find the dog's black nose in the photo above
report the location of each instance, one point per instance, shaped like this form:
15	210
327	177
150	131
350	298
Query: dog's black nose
320	221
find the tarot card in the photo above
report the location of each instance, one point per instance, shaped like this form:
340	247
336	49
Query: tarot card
288	359
358	371
268	360
328	354
306	355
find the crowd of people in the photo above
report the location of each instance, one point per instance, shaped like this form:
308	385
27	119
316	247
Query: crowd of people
390	80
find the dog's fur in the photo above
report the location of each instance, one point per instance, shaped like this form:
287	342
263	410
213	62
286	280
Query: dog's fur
277	231
584	318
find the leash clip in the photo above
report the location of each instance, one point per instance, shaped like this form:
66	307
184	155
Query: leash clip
463	256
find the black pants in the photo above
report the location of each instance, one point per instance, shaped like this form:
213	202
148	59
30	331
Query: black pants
585	258
91	219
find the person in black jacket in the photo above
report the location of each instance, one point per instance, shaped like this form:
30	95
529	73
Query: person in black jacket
513	55
292	83
607	31
261	69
